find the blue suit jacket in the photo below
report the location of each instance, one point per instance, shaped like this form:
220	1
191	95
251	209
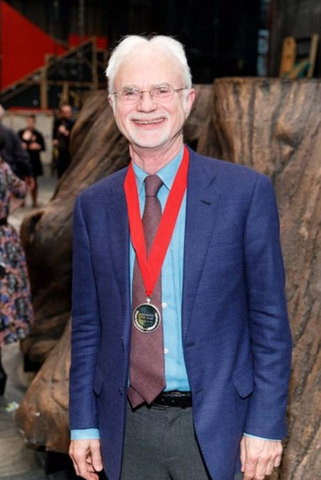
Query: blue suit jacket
236	336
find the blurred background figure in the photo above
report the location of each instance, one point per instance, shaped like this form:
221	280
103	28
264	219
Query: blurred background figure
61	136
14	154
32	141
16	311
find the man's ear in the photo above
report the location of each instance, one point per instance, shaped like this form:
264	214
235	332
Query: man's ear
111	100
189	101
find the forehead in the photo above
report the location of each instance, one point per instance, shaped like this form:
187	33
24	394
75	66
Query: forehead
149	68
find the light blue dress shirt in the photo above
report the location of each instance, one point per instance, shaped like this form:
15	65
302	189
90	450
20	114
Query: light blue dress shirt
172	287
172	278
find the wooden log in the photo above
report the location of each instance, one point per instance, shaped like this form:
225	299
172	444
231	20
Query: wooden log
273	126
43	414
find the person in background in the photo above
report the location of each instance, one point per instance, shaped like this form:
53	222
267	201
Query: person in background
32	141
16	312
14	154
61	136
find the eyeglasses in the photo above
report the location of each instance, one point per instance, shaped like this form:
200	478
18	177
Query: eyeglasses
132	95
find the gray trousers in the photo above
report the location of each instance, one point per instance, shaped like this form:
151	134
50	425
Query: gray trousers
160	444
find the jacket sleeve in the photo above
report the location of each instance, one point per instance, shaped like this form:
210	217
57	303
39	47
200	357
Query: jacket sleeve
268	321
85	335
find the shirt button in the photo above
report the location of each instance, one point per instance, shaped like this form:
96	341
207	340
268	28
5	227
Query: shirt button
164	304
166	350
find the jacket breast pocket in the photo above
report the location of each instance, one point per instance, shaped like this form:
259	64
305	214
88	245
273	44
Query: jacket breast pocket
98	382
244	383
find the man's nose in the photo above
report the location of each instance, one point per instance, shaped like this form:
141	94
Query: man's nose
146	103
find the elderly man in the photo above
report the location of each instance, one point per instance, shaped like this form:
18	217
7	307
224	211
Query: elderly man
180	338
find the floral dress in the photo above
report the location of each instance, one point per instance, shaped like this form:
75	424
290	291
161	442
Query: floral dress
16	312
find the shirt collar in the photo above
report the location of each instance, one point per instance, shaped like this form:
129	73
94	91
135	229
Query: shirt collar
166	174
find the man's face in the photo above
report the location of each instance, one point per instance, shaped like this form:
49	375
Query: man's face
66	112
30	123
151	124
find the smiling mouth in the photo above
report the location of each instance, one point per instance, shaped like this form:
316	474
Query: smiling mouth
149	122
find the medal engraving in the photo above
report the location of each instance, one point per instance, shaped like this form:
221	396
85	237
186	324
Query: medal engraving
146	317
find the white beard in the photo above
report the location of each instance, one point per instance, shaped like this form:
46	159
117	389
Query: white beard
149	139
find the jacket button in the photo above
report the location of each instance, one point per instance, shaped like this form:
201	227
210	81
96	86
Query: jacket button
120	391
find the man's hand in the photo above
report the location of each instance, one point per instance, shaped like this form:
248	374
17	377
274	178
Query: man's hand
34	146
62	129
259	457
86	458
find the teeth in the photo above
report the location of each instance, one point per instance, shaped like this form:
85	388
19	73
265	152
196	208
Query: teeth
150	122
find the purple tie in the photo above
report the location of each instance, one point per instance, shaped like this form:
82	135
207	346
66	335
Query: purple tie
147	377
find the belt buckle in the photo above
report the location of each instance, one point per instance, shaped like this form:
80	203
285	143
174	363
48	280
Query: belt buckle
180	400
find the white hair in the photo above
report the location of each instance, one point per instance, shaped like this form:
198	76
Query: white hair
130	46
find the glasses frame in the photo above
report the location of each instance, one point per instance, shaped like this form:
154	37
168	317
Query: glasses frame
141	92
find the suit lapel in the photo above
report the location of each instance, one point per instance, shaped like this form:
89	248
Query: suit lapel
120	248
201	212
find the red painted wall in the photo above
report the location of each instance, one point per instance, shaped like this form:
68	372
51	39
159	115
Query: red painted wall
23	45
75	40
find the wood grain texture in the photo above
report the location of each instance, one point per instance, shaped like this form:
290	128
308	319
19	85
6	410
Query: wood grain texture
43	414
271	125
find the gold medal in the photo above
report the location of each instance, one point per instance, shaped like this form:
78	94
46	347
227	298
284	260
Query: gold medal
146	317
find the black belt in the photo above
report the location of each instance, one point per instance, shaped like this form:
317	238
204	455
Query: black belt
174	399
3	221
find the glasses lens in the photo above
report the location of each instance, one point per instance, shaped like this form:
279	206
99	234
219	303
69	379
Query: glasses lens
162	93
129	95
132	95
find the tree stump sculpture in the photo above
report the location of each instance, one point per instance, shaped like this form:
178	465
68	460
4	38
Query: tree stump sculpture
271	125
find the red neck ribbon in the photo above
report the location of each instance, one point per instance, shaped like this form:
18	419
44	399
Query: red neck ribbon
151	267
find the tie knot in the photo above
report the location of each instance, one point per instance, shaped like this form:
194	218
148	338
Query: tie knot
152	184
